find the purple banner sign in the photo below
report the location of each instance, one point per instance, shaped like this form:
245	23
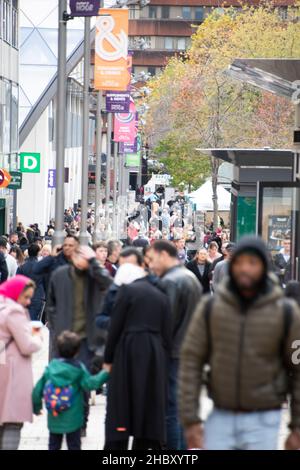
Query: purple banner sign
51	179
125	147
117	102
84	7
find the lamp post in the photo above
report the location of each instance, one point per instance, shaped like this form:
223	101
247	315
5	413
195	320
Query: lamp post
96	234
59	235
108	165
84	238
115	208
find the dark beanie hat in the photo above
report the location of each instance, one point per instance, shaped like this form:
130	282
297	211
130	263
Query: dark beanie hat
251	245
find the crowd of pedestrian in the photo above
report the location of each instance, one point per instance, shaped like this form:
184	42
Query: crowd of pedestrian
161	329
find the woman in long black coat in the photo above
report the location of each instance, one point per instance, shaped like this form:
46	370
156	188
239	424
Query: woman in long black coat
138	346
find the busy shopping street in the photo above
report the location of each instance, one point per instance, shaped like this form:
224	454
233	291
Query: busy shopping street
149	229
35	436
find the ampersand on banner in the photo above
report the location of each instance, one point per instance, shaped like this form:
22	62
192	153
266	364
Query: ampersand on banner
119	42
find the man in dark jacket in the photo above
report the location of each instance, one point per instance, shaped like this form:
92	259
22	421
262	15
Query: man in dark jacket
76	293
27	269
184	292
60	257
247	335
201	268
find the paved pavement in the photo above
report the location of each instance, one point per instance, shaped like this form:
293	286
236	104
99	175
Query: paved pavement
35	435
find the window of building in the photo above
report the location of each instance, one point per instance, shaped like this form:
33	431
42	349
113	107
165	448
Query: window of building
133	13
14	141
199	13
152	71
165	12
6	20
6	127
152	12
139	42
181	44
186	13
14	27
168	43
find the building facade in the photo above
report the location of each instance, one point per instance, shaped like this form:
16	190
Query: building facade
38	66
9	102
164	28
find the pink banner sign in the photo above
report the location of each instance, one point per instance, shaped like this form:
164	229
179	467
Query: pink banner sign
125	126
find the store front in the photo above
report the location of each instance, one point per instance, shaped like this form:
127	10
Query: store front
278	224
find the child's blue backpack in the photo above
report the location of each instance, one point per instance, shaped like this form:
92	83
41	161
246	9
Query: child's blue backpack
58	399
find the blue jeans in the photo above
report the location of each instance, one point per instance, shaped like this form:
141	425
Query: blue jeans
227	430
175	439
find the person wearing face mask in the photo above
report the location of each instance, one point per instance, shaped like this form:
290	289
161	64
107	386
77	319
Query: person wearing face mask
17	344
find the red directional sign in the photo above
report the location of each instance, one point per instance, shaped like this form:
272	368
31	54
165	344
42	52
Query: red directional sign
5	178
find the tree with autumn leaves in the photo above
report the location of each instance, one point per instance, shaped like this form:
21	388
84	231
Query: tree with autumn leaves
194	103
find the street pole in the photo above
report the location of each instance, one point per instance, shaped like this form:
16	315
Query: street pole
15	206
108	165
59	234
115	209
96	235
84	238
123	202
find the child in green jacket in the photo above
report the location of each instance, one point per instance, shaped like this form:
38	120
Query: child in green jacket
62	386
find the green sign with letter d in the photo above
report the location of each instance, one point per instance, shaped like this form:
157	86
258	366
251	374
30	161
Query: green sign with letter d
30	162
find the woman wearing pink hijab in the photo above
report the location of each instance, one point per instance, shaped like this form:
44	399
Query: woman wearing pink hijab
17	344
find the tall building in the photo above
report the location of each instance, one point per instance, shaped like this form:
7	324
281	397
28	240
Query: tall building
164	28
9	98
37	111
